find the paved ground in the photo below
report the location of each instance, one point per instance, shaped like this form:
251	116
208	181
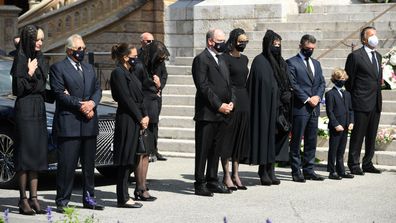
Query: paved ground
369	198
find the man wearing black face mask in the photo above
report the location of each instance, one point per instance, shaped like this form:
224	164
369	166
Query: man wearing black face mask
213	104
75	122
308	84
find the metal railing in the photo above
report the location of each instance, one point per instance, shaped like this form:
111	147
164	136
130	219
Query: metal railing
352	45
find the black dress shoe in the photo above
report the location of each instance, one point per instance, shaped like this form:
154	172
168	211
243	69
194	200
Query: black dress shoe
160	157
92	204
60	209
313	176
357	171
346	175
218	188
298	178
241	187
371	169
334	176
201	190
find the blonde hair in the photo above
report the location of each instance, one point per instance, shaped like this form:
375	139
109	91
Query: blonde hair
338	73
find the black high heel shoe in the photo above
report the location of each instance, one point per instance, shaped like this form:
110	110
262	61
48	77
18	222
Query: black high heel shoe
36	206
139	195
22	210
239	187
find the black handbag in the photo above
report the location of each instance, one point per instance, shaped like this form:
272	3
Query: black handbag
145	143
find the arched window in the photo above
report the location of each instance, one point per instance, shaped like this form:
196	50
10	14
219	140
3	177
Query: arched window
50	30
59	27
68	23
76	20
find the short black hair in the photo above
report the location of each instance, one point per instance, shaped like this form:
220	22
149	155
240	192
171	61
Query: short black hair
307	38
363	32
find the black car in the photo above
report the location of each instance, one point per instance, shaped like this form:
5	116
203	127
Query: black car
104	151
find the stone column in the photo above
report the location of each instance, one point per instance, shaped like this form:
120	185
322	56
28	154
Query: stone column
8	23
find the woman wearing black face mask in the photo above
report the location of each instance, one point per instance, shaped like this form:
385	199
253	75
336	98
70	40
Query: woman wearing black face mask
131	117
234	141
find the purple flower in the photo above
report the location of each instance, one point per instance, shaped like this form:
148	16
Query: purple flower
49	214
268	221
225	219
6	215
90	199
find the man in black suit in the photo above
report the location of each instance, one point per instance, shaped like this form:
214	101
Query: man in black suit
365	74
77	94
308	84
152	90
340	113
213	104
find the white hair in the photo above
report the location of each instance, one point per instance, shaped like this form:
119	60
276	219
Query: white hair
70	41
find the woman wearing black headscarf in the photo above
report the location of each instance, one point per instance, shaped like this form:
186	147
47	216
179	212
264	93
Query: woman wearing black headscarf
29	80
235	139
153	81
272	52
267	68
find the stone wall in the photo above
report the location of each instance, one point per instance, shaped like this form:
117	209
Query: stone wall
8	25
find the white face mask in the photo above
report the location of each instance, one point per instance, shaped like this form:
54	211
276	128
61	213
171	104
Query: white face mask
373	41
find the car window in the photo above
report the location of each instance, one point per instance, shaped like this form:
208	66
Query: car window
5	77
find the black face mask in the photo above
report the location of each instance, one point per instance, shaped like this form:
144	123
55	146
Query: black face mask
78	55
339	83
220	47
306	52
275	50
241	47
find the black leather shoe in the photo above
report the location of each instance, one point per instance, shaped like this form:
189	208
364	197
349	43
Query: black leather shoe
60	208
334	176
313	176
201	190
371	169
346	175
218	188
92	204
357	171
160	157
298	178
126	205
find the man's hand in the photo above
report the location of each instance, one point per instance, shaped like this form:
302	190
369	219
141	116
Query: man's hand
87	106
90	115
313	101
350	127
226	108
339	128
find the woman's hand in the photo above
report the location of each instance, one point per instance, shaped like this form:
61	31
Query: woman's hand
144	122
157	81
32	66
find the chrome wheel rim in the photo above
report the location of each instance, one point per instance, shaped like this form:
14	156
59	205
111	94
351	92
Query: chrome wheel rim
7	167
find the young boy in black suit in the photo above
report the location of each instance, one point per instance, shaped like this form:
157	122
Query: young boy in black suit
340	113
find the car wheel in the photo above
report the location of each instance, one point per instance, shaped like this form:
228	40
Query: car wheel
7	164
108	171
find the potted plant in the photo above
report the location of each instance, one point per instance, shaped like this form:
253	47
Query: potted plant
384	138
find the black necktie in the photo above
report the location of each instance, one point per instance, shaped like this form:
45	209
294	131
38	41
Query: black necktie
310	73
222	66
79	70
374	61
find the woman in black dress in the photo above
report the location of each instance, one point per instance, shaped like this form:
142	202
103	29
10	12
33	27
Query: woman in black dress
131	118
234	142
29	79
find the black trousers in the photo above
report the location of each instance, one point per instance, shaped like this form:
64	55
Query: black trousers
206	134
70	149
303	126
123	173
365	127
335	156
153	128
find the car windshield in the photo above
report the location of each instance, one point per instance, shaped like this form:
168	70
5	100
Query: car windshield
5	77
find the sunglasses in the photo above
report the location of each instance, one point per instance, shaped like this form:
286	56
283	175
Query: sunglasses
148	41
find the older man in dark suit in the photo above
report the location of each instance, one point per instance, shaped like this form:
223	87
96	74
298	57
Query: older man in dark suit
77	94
213	104
308	83
365	75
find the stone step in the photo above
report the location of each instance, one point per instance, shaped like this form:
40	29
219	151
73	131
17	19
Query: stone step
176	133
323	142
177	99
176	145
179	89
341	17
177	110
350	8
327	26
388	118
389	95
178	70
176	121
388	106
179	79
